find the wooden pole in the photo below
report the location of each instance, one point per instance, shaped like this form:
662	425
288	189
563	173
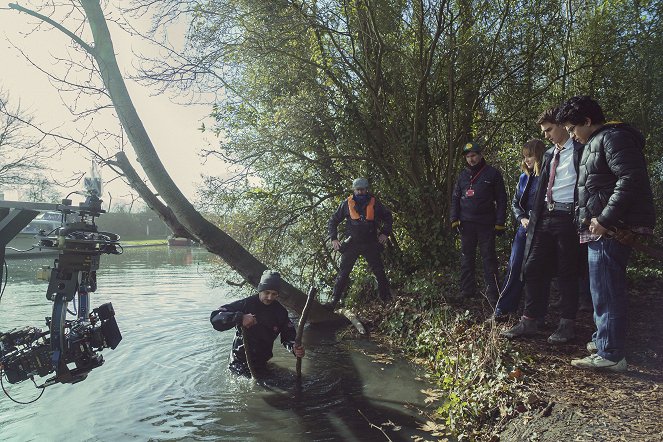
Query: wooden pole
247	352
300	329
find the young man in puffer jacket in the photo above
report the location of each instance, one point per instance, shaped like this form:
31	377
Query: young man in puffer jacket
615	200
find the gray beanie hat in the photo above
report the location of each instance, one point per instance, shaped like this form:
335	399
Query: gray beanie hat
360	183
270	280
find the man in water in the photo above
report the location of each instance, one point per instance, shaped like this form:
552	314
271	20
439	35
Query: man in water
259	319
367	227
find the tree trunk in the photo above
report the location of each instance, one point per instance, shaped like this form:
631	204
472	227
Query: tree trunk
154	203
213	238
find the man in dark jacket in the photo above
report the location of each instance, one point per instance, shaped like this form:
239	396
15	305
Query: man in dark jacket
614	198
367	226
259	319
552	240
478	211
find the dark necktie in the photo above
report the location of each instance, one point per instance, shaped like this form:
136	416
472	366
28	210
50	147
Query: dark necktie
553	172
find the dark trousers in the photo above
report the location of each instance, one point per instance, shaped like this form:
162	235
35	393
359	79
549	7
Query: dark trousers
555	245
371	252
483	235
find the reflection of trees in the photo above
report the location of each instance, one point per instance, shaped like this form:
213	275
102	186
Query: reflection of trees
326	404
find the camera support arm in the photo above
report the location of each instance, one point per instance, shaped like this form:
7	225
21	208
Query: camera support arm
79	245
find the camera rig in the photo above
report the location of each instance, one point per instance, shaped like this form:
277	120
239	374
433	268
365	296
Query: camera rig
68	348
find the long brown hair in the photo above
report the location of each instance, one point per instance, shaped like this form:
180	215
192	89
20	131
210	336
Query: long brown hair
533	148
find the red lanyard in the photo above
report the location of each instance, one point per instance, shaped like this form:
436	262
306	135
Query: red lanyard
474	178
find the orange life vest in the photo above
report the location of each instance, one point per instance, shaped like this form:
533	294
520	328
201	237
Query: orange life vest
370	209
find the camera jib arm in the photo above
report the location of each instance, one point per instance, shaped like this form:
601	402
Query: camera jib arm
79	245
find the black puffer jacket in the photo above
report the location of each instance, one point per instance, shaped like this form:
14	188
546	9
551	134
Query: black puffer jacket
613	184
488	203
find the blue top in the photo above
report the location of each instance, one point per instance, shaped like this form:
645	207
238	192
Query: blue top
523	200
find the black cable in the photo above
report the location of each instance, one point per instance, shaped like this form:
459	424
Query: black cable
2	292
4	390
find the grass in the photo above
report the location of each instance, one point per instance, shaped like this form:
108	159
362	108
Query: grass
145	242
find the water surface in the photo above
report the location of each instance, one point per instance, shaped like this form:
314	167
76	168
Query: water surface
168	378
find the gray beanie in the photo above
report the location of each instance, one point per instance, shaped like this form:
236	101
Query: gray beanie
270	280
360	183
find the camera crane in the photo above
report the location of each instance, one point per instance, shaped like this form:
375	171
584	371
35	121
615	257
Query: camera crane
30	351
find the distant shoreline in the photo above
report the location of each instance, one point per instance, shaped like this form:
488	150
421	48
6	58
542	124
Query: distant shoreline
11	254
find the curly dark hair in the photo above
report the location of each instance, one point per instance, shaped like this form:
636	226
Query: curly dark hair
577	109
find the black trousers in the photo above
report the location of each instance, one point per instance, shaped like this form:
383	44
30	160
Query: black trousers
555	249
483	235
371	252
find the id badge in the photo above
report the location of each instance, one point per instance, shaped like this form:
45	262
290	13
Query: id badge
469	193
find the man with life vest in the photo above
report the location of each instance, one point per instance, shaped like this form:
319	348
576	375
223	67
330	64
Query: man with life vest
478	213
367	227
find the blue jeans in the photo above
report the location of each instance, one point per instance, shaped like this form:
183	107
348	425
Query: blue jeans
607	260
513	286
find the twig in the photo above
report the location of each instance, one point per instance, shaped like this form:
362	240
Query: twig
374	426
300	328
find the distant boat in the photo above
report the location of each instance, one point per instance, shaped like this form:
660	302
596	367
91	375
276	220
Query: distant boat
25	244
47	222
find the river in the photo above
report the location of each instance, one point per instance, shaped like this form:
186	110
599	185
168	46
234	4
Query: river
168	378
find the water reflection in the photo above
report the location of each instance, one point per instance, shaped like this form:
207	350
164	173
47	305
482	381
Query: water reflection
168	378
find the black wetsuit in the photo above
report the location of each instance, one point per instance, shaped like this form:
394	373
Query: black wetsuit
272	320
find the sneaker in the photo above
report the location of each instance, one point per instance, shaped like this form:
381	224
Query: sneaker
591	347
596	362
524	328
564	333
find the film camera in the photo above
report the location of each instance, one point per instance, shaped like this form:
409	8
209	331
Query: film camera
28	351
67	347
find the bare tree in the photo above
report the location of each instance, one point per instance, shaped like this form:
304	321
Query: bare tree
22	153
101	54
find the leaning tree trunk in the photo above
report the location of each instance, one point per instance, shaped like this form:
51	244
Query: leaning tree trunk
153	202
213	238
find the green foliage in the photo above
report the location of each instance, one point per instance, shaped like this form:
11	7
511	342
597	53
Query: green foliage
134	225
478	375
316	94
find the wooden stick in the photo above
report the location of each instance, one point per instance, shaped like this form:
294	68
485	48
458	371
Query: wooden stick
300	328
247	352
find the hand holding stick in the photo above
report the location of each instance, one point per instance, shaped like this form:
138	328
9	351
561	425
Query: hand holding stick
247	352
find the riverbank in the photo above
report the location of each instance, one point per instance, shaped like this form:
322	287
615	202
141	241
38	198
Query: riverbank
597	406
144	243
493	390
27	250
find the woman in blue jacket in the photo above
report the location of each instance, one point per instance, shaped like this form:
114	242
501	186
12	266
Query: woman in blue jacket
522	203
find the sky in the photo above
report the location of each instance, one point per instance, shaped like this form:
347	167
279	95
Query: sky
172	127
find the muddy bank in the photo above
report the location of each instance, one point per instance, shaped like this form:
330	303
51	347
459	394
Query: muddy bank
582	405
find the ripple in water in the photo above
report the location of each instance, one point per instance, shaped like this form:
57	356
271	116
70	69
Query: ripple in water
168	378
